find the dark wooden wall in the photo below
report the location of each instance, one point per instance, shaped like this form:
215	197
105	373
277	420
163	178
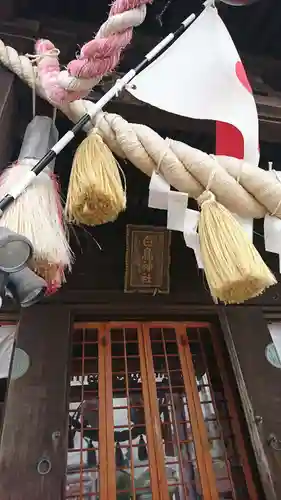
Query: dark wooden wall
8	107
247	336
36	419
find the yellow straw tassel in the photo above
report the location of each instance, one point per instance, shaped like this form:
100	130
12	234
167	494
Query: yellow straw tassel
95	192
234	269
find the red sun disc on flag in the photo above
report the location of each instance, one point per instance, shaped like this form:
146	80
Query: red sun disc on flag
239	3
242	76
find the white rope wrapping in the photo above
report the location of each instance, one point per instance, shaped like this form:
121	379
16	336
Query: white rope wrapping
185	168
114	24
22	65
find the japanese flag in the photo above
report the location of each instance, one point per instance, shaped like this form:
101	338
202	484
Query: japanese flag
201	76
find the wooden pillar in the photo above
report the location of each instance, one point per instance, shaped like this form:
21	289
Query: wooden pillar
36	417
247	335
7	112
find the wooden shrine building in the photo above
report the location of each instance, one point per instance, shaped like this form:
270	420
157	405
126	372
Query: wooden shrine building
141	388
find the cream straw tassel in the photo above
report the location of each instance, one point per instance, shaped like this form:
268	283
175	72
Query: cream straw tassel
234	269
95	192
37	213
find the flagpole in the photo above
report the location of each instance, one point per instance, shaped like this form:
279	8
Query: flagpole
19	188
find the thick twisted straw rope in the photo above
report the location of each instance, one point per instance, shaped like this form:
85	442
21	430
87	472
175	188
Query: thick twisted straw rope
188	169
245	190
97	58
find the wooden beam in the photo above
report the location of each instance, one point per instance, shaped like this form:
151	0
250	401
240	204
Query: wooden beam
267	69
269	110
35	419
106	300
69	34
7	9
259	383
7	111
20	34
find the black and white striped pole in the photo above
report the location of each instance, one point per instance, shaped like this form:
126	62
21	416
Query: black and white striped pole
120	84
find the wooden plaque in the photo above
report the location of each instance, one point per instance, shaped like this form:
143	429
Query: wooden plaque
147	259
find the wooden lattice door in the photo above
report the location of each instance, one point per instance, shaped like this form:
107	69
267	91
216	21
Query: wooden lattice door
152	416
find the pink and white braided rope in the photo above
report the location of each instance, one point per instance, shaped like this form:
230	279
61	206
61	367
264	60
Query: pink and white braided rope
97	57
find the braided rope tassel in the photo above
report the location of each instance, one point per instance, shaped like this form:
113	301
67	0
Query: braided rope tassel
97	58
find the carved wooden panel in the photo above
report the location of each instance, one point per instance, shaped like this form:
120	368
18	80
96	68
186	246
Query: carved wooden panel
147	259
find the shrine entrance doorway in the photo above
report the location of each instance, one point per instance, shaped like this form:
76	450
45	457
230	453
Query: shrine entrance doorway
153	415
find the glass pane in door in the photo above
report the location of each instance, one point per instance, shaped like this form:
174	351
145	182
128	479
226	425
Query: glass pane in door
173	404
82	479
130	430
218	421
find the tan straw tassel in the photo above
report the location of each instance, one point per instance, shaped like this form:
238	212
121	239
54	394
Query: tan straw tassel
234	268
95	192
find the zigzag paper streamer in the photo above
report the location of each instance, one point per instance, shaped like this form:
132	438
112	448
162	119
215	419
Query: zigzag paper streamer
272	226
179	217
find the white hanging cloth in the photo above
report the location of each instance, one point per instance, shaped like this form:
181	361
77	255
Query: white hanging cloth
7	339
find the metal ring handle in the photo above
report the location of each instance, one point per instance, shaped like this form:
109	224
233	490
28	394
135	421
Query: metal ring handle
44	466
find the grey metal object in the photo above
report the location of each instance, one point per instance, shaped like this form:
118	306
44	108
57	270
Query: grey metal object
40	135
272	356
258	420
15	251
274	442
27	287
21	363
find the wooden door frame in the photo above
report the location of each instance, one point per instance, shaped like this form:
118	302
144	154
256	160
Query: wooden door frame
154	439
177	312
265	457
215	329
